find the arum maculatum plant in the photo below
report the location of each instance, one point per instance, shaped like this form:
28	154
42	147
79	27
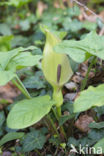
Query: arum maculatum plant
57	71
56	67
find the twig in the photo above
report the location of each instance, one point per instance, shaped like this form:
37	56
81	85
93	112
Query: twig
87	9
84	6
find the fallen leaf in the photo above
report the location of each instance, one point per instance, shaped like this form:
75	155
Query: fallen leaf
83	122
77	78
8	92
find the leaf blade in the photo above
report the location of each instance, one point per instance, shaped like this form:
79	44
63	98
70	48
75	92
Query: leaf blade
27	112
93	96
6	76
11	136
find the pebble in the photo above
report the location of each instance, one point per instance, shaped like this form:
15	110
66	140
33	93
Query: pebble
70	96
71	86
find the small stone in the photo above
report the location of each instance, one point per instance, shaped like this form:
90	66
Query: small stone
70	96
71	86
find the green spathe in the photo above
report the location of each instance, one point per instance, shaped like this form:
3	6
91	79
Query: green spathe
51	60
56	67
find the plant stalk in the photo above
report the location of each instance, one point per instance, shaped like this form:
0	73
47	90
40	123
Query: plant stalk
21	87
61	127
38	152
53	125
55	114
84	82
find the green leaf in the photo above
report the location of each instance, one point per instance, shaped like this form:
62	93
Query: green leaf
4	29
93	96
25	25
74	65
64	118
55	140
2	118
77	54
74	11
21	49
95	125
5	43
89	25
33	140
95	134
36	81
6	76
5	57
27	112
99	144
16	56
11	136
19	40
72	140
24	59
72	25
16	3
80	51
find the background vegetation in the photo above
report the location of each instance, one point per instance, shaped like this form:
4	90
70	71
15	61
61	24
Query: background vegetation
20	26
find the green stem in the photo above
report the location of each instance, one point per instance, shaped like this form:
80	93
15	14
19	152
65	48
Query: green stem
53	125
55	114
21	87
38	152
59	111
58	115
58	97
84	82
61	127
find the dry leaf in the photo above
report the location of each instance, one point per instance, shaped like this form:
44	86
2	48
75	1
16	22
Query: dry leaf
83	122
8	92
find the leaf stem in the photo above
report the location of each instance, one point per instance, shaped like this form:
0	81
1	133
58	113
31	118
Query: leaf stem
37	151
61	127
21	87
53	125
55	114
84	82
